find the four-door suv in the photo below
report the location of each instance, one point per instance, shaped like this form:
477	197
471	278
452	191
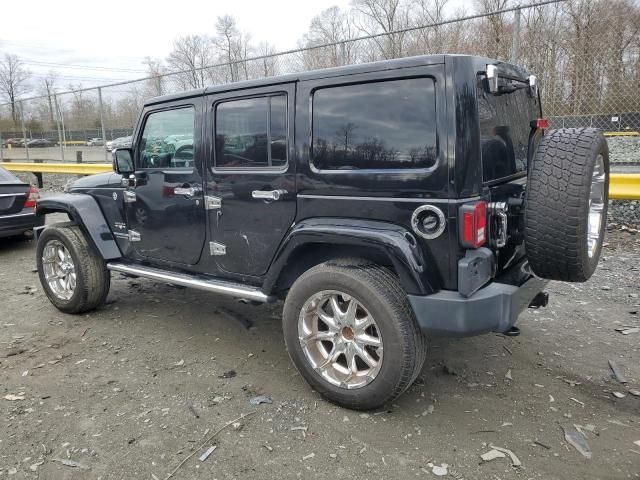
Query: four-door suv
384	203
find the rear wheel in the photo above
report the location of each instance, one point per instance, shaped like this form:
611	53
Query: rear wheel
351	333
566	204
73	275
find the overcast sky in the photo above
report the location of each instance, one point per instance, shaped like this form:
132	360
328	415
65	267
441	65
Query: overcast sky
97	43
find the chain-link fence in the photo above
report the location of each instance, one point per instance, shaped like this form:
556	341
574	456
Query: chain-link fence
586	54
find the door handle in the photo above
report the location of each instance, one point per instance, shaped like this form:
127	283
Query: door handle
187	191
269	194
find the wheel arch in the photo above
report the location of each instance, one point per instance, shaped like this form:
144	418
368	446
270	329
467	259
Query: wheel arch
84	211
314	241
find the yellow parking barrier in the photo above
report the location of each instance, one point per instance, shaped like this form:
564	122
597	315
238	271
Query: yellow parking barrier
624	186
70	168
64	168
621	134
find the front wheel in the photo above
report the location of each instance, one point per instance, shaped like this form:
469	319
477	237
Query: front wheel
73	275
351	333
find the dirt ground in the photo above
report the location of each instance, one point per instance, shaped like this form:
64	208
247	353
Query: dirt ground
135	388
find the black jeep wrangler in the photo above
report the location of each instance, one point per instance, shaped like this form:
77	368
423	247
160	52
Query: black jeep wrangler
384	203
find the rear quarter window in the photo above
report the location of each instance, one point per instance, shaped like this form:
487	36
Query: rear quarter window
377	125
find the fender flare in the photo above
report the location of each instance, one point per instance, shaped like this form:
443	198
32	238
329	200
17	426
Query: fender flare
85	212
393	241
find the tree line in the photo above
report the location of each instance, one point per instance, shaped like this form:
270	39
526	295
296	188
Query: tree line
586	54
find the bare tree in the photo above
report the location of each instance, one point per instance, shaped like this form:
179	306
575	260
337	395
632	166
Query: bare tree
190	55
234	47
542	30
345	133
155	69
623	32
268	64
384	16
47	87
494	33
334	27
430	12
83	112
13	81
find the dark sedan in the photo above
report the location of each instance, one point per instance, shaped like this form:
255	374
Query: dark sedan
40	143
17	202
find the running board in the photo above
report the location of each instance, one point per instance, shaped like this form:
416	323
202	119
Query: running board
223	287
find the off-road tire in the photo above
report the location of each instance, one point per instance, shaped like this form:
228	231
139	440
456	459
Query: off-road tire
379	290
92	277
557	204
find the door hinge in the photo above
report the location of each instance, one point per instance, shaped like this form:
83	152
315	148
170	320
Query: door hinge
134	236
212	203
217	248
129	196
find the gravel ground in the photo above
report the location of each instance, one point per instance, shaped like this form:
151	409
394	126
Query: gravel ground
624	150
136	387
624	213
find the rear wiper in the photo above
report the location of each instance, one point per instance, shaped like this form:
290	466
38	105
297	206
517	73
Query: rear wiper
510	88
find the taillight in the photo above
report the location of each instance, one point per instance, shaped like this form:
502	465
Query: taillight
32	198
542	123
473	224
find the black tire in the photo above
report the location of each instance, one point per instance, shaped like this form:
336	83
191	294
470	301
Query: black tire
92	277
557	204
380	292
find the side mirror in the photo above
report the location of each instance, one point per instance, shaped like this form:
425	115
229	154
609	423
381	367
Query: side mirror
123	161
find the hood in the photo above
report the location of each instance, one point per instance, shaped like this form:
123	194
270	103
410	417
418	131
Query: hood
107	179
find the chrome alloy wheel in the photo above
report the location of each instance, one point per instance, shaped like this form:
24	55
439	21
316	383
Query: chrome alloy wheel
340	339
596	206
59	270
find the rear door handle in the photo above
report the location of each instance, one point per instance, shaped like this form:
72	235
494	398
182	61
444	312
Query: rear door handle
268	194
187	191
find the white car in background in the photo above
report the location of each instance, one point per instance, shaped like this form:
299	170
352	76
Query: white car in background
120	142
95	142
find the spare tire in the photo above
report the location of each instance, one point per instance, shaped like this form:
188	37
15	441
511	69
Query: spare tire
566	204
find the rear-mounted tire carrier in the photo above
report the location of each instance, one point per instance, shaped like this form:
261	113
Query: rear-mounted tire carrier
566	204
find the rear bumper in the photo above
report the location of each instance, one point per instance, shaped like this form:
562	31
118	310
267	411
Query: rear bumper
494	308
18	223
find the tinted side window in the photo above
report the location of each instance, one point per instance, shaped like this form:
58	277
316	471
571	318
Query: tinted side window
167	140
252	133
383	125
504	130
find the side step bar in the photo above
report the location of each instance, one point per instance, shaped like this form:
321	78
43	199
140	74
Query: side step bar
223	287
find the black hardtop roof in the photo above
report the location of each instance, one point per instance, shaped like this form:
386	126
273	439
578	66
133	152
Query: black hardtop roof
416	61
